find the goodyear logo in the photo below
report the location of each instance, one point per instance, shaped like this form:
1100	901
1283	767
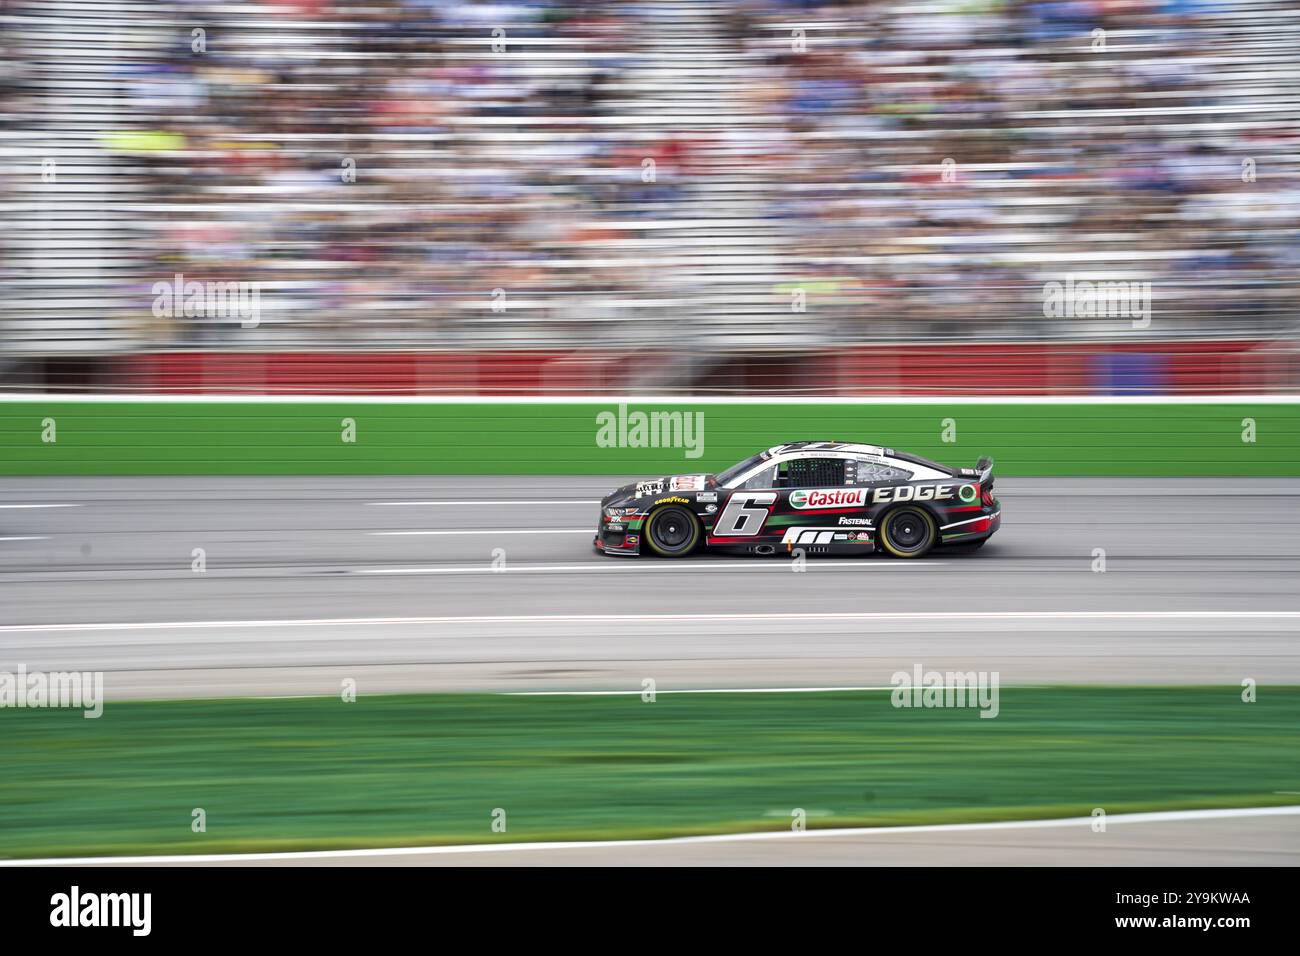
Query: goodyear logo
673	501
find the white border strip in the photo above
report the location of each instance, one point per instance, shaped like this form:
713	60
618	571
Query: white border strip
775	616
1163	816
614	400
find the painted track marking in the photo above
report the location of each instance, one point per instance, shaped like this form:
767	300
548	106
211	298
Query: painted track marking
503	531
647	565
1162	816
480	501
879	617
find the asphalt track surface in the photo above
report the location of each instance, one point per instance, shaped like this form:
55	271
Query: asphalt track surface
391	582
491	584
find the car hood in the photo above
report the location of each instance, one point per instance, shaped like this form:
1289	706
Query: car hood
656	486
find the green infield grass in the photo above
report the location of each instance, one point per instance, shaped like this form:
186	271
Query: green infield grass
316	773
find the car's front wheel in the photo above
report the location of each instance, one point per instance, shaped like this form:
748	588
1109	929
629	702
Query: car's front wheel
908	532
672	532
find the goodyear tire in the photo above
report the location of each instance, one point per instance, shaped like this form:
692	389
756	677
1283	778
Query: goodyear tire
672	532
908	532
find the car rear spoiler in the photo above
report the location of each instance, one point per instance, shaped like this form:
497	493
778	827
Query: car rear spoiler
985	467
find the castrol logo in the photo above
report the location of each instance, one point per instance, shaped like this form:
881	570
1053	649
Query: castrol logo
829	498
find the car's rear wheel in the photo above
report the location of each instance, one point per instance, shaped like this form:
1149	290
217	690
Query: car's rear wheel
908	532
672	532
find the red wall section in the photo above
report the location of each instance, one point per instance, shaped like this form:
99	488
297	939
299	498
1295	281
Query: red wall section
1219	367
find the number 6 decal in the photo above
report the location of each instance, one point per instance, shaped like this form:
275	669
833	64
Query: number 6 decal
740	519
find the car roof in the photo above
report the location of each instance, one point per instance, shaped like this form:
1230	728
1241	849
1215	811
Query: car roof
859	448
854	448
801	449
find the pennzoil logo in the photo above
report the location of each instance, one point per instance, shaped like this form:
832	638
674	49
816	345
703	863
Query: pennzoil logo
673	501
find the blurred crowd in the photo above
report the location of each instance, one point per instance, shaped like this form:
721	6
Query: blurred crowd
544	173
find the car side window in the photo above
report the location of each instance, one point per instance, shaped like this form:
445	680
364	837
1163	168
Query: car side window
761	479
869	472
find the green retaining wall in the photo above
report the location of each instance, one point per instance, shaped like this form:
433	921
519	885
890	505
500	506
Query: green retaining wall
288	437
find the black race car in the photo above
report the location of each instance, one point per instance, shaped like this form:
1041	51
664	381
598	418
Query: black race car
818	497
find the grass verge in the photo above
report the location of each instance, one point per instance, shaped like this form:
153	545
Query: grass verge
430	769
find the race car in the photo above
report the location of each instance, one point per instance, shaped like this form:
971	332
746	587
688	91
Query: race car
809	497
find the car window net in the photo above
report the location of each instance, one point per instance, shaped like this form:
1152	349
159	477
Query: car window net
815	472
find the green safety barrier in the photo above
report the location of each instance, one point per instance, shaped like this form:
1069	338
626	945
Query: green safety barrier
57	436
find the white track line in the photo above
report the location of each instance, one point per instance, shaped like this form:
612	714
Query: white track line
878	617
480	501
613	401
43	505
1165	816
698	690
638	567
25	537
502	531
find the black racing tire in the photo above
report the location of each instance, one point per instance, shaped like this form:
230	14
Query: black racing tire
908	532
672	531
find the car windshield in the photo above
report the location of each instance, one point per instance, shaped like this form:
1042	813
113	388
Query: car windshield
742	466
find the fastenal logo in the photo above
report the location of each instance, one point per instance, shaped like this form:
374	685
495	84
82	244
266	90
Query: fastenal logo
955	689
79	689
74	908
1085	299
830	498
208	300
626	429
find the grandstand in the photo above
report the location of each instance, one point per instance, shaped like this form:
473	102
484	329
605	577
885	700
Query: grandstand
647	196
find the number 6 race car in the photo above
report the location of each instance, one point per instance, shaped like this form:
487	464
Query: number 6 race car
819	497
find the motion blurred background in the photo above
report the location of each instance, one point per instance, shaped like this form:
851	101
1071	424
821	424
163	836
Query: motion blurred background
644	197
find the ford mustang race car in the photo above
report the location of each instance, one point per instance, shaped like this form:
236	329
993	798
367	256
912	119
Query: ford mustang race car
815	497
